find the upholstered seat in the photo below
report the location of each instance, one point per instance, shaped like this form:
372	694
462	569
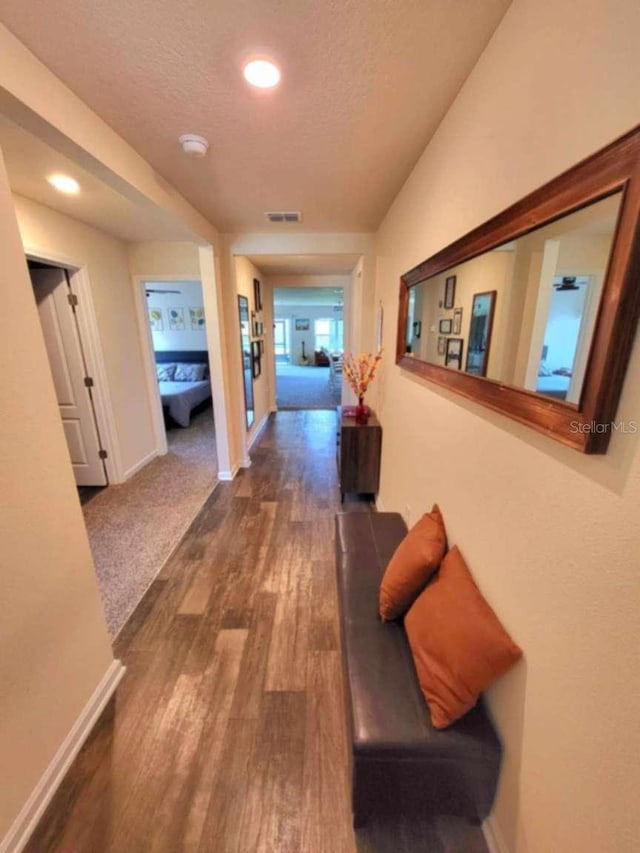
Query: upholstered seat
399	760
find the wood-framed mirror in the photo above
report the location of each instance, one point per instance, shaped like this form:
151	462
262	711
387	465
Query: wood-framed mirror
247	366
543	300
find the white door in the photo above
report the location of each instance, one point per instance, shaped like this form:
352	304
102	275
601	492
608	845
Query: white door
67	367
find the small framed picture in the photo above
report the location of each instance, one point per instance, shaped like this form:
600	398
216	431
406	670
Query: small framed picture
417	329
197	319
255	359
449	291
176	319
302	325
257	295
442	345
257	326
445	326
457	321
155	319
453	356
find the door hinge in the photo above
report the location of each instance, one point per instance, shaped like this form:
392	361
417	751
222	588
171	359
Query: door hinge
88	381
103	454
72	299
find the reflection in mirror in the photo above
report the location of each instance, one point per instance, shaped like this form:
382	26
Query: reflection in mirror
480	328
523	312
245	348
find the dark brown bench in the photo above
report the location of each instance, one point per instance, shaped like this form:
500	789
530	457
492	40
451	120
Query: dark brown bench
399	762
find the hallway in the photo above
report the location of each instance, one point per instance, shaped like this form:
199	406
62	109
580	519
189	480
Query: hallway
228	730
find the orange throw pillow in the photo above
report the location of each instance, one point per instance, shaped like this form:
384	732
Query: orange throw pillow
414	563
459	647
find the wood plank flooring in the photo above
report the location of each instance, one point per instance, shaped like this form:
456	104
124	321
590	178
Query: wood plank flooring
227	734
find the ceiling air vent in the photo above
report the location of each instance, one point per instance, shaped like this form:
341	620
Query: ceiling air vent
284	216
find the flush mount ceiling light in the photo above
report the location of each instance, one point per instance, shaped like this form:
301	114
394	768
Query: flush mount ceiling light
64	184
194	145
261	73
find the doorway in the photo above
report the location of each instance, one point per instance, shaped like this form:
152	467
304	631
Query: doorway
281	337
176	338
72	378
309	341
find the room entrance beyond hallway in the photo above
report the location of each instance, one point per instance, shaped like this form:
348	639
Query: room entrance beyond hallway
309	340
305	387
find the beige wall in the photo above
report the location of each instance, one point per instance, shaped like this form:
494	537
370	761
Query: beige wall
551	536
47	232
164	259
54	646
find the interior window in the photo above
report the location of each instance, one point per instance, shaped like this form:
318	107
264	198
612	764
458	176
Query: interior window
322	330
329	334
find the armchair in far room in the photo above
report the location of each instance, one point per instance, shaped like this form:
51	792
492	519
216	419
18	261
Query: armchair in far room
321	357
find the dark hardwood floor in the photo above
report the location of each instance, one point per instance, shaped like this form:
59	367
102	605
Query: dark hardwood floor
228	730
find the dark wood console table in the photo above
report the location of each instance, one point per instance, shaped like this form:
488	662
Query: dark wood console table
358	454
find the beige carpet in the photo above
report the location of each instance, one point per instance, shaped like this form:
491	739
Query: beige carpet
134	527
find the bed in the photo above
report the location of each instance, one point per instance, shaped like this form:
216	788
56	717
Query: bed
554	386
181	396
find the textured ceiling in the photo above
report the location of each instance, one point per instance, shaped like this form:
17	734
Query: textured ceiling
30	161
365	84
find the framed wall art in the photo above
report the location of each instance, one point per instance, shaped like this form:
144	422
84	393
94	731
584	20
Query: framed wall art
197	318
453	356
155	319
255	359
449	291
176	319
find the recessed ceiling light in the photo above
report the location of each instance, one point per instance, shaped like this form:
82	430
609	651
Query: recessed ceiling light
262	74
64	184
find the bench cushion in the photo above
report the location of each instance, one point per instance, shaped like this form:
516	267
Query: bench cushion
388	716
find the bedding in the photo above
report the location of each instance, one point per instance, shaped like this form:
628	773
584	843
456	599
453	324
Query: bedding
182	397
165	372
554	386
190	372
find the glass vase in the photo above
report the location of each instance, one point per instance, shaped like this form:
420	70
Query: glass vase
362	412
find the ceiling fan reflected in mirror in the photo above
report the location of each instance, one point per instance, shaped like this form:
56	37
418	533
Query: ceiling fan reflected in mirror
568	282
149	290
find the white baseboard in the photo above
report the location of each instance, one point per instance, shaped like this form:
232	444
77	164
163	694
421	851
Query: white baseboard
227	476
493	836
23	826
140	465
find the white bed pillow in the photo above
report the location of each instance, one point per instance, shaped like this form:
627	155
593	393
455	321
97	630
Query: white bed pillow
165	372
189	372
